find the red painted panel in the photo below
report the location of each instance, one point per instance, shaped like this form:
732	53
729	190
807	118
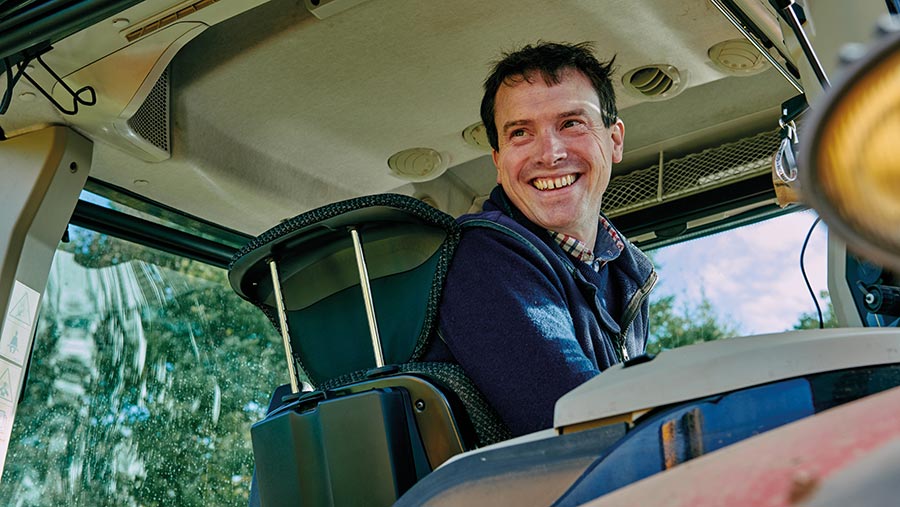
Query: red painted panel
780	468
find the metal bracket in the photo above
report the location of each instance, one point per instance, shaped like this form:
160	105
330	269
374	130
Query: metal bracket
759	47
794	16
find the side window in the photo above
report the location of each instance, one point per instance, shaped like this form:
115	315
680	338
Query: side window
740	282
147	374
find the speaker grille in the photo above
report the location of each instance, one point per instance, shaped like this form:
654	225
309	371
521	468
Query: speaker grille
151	121
688	175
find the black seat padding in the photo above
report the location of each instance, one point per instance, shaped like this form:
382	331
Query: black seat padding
408	246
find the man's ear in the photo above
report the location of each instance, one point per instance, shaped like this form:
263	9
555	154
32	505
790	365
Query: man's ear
617	132
496	155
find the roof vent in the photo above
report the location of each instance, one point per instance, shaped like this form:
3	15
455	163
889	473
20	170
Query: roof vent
737	57
417	164
475	135
653	82
154	24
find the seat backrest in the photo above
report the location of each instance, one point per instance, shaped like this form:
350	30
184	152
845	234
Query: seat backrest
408	246
405	419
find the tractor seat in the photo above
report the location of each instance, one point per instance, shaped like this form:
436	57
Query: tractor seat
354	289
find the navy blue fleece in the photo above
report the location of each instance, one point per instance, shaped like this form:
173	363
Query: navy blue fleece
525	321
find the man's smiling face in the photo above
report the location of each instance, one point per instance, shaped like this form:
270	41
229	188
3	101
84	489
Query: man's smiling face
555	155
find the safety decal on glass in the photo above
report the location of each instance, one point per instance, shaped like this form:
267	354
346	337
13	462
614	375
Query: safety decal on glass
18	325
10	377
15	341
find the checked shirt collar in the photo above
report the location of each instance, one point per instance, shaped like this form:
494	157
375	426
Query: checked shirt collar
609	246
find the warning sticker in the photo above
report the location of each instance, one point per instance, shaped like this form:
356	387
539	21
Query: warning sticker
24	304
7	413
9	381
15	337
14	341
10	375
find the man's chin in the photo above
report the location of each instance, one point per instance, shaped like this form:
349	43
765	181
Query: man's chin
554	223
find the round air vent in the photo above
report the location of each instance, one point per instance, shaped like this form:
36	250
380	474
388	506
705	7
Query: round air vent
737	57
653	82
417	164
476	135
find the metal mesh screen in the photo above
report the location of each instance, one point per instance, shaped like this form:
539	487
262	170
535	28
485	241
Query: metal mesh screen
151	121
688	175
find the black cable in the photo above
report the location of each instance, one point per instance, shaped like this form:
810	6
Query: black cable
10	84
806	278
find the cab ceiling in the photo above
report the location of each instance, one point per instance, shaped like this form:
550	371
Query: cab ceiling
276	111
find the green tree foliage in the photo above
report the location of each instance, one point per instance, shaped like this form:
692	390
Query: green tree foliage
672	326
810	320
147	373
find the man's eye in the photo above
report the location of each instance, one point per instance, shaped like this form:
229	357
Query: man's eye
517	133
571	123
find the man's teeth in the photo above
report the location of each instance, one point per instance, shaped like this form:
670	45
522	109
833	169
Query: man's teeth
552	183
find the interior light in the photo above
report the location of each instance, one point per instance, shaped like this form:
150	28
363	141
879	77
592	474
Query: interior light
850	158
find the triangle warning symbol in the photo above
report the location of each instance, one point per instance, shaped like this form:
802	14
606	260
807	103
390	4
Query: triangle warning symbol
21	311
5	388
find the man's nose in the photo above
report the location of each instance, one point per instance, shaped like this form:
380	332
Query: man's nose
552	149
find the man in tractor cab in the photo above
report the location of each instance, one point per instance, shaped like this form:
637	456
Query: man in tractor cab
543	292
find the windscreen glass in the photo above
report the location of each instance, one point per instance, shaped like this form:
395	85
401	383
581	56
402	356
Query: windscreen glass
740	282
147	373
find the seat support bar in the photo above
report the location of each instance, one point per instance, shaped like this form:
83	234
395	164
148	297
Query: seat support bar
367	297
282	321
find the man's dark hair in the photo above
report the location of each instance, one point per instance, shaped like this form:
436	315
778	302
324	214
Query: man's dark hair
550	60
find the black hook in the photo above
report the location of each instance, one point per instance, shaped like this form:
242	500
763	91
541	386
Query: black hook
12	79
